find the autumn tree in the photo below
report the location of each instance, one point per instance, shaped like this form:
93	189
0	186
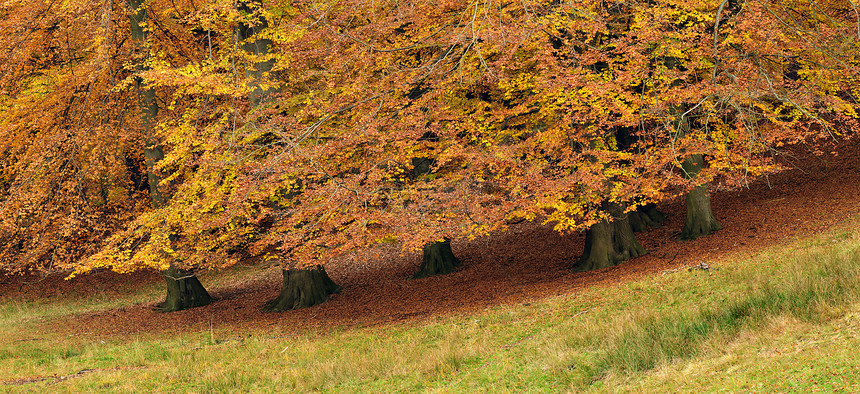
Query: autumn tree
362	175
286	170
767	91
184	289
79	145
302	286
69	171
700	217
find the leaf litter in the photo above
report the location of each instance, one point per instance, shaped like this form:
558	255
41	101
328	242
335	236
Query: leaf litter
527	262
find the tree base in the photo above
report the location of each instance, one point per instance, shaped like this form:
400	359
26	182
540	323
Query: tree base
700	217
184	291
607	244
438	260
303	288
646	217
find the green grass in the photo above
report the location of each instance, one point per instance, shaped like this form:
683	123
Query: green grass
785	319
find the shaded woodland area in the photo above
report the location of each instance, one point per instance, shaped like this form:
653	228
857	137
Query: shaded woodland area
188	136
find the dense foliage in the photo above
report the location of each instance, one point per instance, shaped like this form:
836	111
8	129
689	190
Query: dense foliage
311	129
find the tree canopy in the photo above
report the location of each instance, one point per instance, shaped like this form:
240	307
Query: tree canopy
311	129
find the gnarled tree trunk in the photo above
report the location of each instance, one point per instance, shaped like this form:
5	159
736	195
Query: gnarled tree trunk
609	243
700	217
645	217
183	291
599	250
303	288
438	259
625	242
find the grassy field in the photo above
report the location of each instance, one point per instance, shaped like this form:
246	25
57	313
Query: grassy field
786	319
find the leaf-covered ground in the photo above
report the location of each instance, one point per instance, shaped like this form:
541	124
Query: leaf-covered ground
528	262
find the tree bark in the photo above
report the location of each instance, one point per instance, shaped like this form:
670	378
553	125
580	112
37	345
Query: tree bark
183	288
625	242
645	217
147	102
258	48
303	288
438	259
700	217
609	243
184	291
599	251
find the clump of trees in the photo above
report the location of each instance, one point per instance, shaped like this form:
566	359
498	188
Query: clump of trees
187	135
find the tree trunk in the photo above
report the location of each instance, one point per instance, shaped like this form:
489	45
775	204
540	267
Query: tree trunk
700	217
303	288
645	217
147	102
438	259
183	291
609	243
258	48
599	251
183	288
624	241
153	153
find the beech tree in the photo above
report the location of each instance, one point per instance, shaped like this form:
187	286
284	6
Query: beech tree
184	290
70	173
302	286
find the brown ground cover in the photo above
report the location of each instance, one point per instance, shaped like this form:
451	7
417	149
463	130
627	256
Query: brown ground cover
528	262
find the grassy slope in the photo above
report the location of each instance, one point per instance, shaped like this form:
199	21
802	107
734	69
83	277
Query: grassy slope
785	319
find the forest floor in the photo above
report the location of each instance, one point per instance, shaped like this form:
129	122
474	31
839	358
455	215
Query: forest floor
526	263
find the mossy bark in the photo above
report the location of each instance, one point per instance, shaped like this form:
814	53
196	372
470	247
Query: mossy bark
700	217
303	288
184	291
438	259
609	243
645	217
